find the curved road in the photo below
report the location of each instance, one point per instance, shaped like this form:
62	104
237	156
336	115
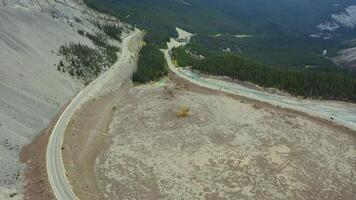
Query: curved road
55	168
338	112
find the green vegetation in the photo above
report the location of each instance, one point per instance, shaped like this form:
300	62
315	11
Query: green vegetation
81	32
276	50
224	16
88	63
81	61
281	41
296	81
98	39
140	14
108	50
281	28
112	31
182	56
151	65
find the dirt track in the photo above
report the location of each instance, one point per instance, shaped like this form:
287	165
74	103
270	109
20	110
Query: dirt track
85	138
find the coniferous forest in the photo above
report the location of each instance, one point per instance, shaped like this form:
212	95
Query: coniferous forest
332	84
296	81
151	65
271	54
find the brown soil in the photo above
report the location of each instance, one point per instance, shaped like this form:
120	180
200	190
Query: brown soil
85	139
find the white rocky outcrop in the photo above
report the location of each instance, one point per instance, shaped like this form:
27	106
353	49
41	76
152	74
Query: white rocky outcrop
346	58
346	19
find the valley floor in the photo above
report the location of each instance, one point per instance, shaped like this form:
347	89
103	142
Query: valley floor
227	148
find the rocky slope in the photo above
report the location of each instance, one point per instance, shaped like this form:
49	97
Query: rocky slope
343	22
32	90
346	58
345	19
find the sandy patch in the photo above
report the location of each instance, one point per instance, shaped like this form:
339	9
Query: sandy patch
182	34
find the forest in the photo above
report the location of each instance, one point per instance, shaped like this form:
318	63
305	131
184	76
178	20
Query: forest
302	82
278	53
183	57
280	34
81	61
321	83
88	63
112	31
276	50
151	65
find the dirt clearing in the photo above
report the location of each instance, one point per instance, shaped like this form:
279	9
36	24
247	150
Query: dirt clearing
225	148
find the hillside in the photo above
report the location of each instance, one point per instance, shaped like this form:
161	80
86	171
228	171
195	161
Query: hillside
284	32
228	15
32	88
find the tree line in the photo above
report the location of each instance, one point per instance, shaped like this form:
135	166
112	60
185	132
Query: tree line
182	56
88	63
151	65
81	61
302	82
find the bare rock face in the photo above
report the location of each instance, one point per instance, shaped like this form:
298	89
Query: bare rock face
345	19
346	58
32	90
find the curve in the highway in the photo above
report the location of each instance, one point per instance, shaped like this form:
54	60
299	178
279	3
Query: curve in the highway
55	167
337	112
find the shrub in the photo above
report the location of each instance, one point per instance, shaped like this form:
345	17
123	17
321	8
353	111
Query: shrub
183	112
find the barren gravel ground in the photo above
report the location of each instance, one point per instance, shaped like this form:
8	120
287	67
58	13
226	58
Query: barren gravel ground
227	148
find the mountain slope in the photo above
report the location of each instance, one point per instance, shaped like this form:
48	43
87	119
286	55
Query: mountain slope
302	16
283	32
32	89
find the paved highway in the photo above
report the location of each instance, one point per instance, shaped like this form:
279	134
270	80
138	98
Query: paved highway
55	168
338	112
